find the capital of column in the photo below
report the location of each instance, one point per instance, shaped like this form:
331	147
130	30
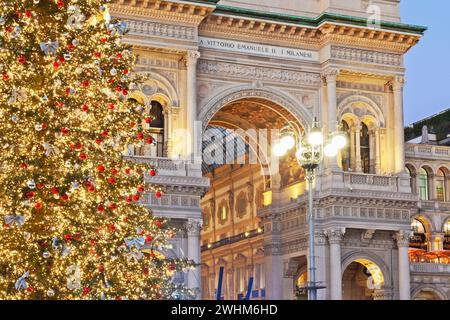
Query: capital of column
320	237
330	74
335	235
402	238
191	57
193	227
398	83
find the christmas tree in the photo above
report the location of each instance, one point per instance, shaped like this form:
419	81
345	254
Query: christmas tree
73	225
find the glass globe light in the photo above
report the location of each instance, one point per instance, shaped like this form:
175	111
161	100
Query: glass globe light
339	141
288	141
330	150
279	150
315	137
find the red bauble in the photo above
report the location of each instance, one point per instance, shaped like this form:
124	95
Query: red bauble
118	88
23	165
40	185
77	237
149	140
111	106
148	120
114	172
21	59
113	206
64	197
136	198
85	108
65	131
38	205
30	195
5	76
61	59
83	156
111	180
101	168
152	172
127	171
86	290
91	189
85	84
44	125
60	3
125	71
128	199
101	208
104	133
158	194
98	141
98	55
78	145
28	13
55	65
141	189
148	238
140	135
68	236
125	92
132	124
101	268
54	190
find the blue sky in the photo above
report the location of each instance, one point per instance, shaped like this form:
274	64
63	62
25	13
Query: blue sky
427	89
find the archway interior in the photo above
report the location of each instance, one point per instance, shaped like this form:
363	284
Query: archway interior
360	280
239	126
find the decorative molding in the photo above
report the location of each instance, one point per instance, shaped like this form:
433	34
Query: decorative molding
235	70
160	29
366	56
402	237
335	235
360	86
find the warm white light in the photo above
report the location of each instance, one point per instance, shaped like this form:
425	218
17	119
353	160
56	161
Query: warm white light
288	142
339	141
279	150
315	138
299	153
330	150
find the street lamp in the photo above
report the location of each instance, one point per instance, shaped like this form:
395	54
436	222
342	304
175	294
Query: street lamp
310	153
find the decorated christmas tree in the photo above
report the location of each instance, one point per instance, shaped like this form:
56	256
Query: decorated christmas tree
73	226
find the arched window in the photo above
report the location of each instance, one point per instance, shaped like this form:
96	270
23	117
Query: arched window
412	181
345	153
157	128
440	186
423	184
365	148
447	235
206	220
418	239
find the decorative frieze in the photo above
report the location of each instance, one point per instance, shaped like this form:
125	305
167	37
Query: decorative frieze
234	70
367	56
360	86
158	29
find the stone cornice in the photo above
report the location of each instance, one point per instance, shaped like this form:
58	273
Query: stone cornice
328	28
184	12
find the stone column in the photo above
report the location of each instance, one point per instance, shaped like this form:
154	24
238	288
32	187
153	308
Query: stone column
212	286
399	135
191	114
331	76
372	151
358	163
273	264
335	236
402	238
432	195
168	132
193	227
352	148
321	267
377	151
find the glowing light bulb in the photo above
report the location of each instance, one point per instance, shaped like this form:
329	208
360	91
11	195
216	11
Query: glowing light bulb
288	142
330	150
339	141
279	150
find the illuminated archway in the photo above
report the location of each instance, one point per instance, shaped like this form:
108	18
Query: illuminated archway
361	278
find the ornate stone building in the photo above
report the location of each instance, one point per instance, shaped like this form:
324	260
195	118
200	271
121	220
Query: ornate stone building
254	66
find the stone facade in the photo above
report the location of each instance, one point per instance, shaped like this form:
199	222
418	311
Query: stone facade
222	63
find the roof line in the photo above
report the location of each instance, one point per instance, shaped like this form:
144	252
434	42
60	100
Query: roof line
316	22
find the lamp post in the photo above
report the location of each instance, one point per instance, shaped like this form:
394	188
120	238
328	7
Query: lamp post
311	150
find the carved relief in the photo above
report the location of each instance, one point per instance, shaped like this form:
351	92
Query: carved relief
258	73
158	29
241	204
368	56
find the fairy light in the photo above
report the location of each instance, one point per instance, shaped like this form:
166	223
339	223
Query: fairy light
64	81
